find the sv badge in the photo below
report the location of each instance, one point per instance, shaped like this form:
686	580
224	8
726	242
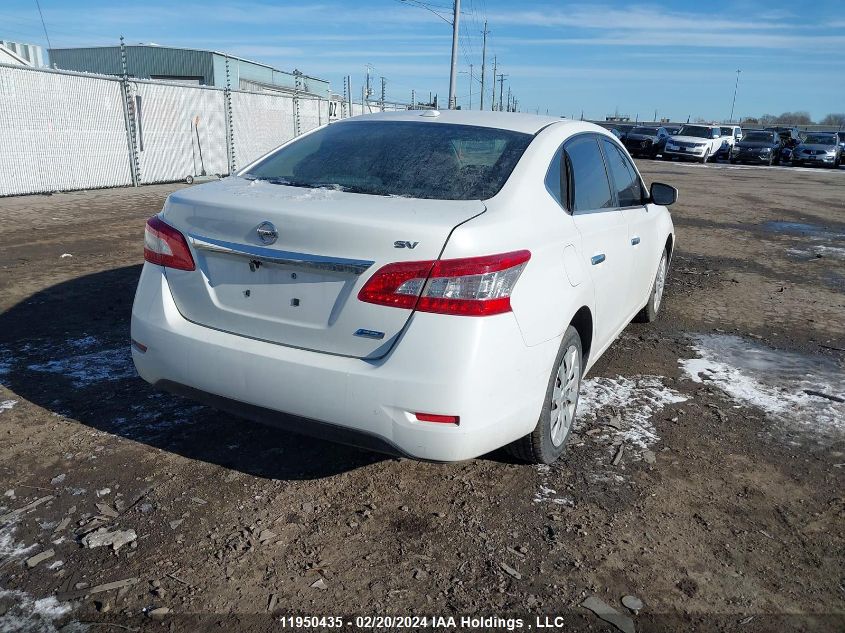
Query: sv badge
404	244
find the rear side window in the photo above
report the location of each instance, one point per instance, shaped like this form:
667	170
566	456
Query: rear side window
626	181
557	180
399	158
591	190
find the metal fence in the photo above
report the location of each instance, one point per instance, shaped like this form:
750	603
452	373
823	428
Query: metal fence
63	131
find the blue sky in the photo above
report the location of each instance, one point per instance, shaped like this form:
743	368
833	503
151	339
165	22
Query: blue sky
677	57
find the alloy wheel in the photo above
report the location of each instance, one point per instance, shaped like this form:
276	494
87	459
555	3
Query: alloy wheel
565	395
659	282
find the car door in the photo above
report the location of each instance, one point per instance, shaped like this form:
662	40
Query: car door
632	199
604	233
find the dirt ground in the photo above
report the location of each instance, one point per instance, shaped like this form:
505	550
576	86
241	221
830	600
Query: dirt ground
705	476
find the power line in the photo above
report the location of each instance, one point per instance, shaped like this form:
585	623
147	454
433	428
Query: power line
38	4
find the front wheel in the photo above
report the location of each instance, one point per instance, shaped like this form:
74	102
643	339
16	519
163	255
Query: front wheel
649	312
706	156
548	439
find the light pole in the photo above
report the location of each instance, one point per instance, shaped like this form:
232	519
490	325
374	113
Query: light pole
736	86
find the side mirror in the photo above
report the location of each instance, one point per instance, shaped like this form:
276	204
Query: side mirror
664	195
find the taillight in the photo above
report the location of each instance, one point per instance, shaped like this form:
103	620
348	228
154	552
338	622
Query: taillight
472	286
165	246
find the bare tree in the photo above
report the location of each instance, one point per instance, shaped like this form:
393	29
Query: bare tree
798	118
834	119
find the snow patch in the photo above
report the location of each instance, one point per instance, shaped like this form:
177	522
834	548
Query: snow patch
788	387
9	547
635	400
808	252
7	405
5	362
33	615
86	369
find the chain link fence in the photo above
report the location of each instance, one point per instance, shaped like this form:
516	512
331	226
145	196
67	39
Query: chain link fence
64	130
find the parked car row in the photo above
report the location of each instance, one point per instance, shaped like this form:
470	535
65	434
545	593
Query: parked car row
777	145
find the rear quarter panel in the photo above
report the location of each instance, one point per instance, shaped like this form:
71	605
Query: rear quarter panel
524	215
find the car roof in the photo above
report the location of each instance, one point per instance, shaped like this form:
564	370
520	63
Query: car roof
514	121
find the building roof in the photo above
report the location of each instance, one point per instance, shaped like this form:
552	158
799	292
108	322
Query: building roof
10	57
183	48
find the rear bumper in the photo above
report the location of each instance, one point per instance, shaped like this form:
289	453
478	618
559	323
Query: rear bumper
477	368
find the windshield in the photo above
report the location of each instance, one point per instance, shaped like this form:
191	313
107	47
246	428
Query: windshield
841	137
648	131
820	139
398	158
696	130
759	137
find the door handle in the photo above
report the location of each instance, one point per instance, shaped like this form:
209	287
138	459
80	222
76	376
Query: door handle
635	240
597	259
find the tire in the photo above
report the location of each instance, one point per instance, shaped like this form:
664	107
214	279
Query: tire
655	297
547	441
733	161
706	156
189	180
771	160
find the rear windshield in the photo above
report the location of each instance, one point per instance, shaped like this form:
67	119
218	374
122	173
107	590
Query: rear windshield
648	131
399	158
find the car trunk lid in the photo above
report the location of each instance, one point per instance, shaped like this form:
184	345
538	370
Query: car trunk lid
301	289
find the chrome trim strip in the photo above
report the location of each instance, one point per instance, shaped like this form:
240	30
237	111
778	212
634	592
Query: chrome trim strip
285	258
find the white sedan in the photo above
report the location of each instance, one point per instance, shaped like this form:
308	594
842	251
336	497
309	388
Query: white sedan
429	284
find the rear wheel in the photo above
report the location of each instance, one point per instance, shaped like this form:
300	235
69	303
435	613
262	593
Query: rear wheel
649	312
548	439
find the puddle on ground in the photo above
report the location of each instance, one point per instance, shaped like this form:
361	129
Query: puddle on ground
803	229
803	394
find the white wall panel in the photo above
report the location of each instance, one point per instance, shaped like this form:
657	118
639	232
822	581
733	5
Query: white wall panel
60	132
262	122
180	131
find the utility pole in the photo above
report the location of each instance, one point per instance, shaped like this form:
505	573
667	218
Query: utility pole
736	86
369	90
501	88
382	94
655	115
484	33
454	71
493	95
509	99
413	99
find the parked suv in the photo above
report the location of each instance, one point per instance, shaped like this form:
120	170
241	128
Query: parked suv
731	135
695	142
758	146
818	148
646	141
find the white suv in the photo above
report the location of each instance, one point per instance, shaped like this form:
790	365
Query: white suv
694	142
